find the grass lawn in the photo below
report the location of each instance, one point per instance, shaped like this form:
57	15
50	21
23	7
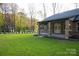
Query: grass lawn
29	45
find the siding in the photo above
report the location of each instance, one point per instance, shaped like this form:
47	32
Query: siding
73	33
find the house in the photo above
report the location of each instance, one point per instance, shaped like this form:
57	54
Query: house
61	25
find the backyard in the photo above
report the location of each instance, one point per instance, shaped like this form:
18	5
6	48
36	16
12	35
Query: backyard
30	45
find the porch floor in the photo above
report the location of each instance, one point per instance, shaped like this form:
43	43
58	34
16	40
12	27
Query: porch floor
58	35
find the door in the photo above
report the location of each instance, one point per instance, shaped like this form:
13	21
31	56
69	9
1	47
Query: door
57	28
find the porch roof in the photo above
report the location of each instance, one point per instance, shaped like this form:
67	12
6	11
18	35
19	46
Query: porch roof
63	15
77	18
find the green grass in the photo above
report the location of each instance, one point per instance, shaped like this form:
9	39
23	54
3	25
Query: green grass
29	45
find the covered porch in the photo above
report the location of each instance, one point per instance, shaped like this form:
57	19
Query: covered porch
59	29
61	25
65	29
43	28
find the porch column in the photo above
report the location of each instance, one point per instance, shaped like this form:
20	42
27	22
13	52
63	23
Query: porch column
38	28
67	29
49	28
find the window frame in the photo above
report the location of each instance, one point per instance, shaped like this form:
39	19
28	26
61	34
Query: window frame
57	26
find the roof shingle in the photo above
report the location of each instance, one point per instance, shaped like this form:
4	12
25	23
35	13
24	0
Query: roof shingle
63	15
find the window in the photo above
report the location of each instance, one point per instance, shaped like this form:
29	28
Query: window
43	27
78	27
57	28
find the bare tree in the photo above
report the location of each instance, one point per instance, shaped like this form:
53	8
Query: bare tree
32	13
6	9
54	7
40	13
5	12
76	5
21	13
14	9
1	10
44	7
59	7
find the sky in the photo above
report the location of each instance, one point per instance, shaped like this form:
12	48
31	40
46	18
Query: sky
61	7
37	4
